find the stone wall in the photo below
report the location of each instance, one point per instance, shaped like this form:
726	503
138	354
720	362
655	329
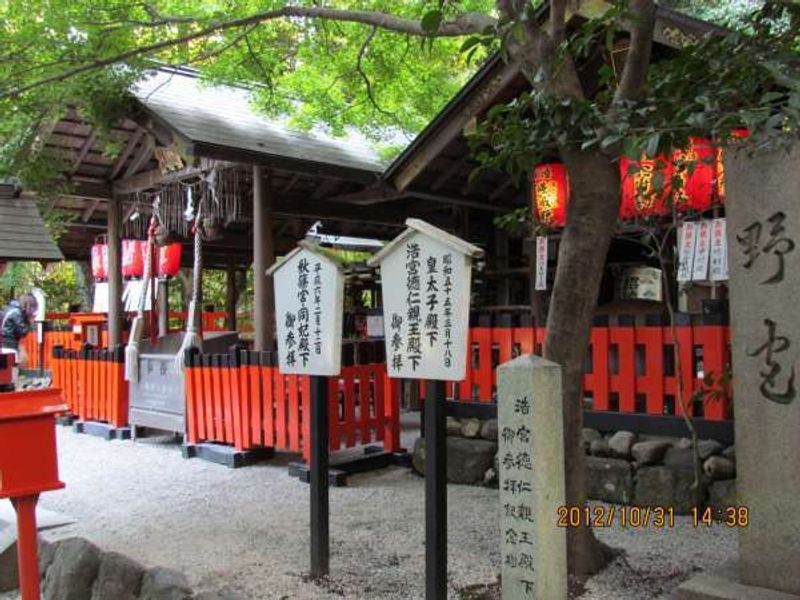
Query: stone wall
76	569
622	468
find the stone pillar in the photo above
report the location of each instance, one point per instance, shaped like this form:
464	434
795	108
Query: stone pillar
263	257
231	294
114	272
533	549
763	225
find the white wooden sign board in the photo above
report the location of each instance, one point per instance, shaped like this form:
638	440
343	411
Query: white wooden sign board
425	278
686	243
309	295
41	304
702	251
100	303
541	263
719	251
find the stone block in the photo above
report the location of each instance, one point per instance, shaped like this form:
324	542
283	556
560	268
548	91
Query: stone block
708	448
679	456
118	578
599	448
668	486
650	452
469	459
725	583
609	479
453	426
165	584
721	495
73	571
489	430
470	428
719	467
621	443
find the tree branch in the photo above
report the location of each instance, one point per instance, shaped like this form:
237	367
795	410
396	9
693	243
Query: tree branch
465	24
558	20
637	63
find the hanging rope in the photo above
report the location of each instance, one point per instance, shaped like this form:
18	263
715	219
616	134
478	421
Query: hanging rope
137	327
191	338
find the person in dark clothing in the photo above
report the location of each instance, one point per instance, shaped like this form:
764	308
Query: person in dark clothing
17	321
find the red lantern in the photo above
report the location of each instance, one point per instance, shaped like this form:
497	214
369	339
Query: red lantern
132	258
720	175
639	195
696	168
551	194
100	261
169	260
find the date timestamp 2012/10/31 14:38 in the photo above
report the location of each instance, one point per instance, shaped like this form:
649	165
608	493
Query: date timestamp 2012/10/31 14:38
642	517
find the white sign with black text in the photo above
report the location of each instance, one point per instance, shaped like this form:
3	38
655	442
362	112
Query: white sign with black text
541	263
426	277
309	292
686	244
719	251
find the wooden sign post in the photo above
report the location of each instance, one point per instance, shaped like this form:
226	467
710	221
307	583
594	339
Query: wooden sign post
425	282
309	293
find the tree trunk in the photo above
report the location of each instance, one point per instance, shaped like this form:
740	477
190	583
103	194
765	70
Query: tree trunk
595	185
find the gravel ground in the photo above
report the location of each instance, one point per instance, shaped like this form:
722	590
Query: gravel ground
246	530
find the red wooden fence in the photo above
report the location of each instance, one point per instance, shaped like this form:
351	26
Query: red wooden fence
93	382
241	399
629	369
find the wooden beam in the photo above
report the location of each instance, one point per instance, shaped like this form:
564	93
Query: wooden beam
289	184
263	257
449	172
499	191
326	187
457	201
85	148
133	141
141	157
480	100
114	273
87	214
154	177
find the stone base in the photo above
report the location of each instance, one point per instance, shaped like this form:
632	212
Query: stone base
102	430
338	471
66	420
724	584
226	455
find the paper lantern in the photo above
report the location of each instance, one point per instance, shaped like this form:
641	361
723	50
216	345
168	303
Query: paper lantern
696	167
100	261
639	195
132	258
169	260
720	166
551	194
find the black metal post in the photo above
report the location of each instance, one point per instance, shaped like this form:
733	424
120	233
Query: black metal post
435	492
320	540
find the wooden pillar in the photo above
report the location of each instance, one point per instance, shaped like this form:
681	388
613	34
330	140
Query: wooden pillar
231	294
163	306
114	272
263	257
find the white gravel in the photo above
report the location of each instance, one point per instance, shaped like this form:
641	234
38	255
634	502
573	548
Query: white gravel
246	530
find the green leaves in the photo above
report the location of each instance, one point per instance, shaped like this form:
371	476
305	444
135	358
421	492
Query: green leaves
432	20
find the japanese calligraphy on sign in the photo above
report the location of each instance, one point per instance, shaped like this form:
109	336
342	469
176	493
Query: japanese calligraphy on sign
541	263
425	277
517	531
686	245
702	250
719	251
309	289
766	244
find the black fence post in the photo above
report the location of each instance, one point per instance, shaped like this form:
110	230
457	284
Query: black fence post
435	491
320	539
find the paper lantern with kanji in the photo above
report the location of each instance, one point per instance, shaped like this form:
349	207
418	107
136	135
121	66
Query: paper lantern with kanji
638	183
169	260
100	261
695	166
551	194
720	166
132	258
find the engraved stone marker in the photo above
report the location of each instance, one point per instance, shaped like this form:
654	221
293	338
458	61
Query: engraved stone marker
531	462
763	211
